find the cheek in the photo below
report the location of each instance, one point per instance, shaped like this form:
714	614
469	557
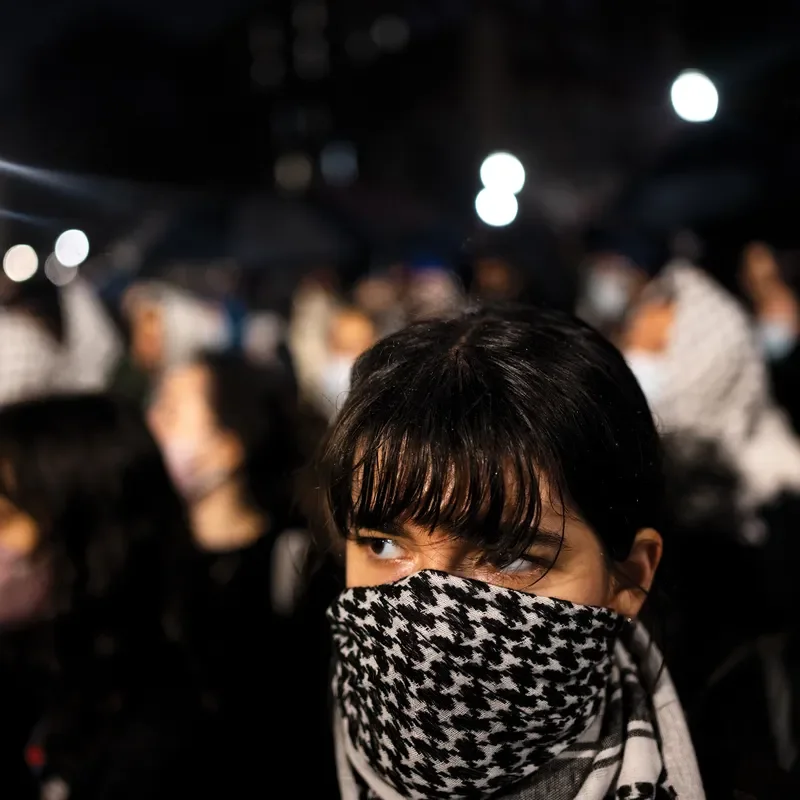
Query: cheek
585	581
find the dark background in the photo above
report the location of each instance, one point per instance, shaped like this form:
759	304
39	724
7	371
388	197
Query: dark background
115	110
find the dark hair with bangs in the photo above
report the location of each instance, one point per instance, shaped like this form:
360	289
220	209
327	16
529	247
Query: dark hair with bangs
260	406
462	425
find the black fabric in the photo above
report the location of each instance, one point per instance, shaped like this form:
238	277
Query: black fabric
731	730
268	675
785	376
218	717
113	738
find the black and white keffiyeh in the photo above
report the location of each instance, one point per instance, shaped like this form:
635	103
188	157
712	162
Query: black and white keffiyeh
33	364
453	688
715	386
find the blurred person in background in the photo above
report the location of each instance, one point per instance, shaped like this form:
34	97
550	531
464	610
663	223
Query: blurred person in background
167	326
619	265
98	698
351	333
692	347
769	280
231	436
495	483
522	264
53	339
229	431
316	300
432	291
380	296
495	281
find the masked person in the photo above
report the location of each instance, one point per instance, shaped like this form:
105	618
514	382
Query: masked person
774	302
619	266
495	481
232	440
351	332
691	346
98	693
53	340
767	277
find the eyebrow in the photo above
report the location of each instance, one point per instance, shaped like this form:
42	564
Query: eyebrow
549	539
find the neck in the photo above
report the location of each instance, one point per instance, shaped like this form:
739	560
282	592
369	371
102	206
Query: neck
223	521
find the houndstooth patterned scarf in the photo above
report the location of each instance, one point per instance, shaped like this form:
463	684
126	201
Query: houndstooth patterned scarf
453	688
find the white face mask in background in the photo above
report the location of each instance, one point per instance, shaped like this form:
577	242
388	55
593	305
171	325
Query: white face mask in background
776	337
182	459
648	369
608	294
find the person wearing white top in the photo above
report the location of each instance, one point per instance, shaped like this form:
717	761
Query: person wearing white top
54	340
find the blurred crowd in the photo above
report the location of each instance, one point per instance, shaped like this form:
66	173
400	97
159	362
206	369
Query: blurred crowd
151	480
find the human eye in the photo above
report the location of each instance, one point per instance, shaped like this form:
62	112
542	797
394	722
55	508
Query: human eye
524	565
381	548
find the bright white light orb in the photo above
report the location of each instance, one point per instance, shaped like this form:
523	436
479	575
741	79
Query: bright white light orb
496	208
694	97
503	172
72	248
20	263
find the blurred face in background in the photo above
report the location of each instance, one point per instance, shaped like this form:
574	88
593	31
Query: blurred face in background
774	302
24	578
760	275
147	334
495	280
200	456
377	295
613	284
433	293
644	341
351	333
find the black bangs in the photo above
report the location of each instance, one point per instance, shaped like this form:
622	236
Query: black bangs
439	456
478	425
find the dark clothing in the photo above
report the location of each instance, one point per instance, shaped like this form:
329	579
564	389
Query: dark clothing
743	749
267	671
107	738
785	375
130	382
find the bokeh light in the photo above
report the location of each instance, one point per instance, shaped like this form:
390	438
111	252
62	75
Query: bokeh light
339	163
293	172
20	263
57	273
496	208
390	33
310	14
72	248
694	97
503	172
